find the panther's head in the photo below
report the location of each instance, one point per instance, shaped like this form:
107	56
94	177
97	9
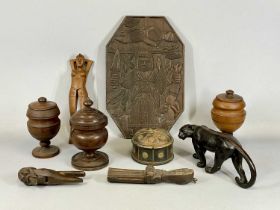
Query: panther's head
186	131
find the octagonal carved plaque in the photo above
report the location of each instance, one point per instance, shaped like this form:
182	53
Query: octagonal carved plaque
145	82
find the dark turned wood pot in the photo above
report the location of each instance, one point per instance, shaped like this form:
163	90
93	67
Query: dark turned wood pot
43	125
89	134
228	112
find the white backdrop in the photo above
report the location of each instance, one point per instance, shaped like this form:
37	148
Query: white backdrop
228	45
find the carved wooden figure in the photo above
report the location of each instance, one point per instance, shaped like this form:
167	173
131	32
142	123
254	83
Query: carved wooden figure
80	68
150	176
43	176
145	75
224	146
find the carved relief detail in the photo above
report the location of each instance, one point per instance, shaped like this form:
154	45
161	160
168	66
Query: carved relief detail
145	66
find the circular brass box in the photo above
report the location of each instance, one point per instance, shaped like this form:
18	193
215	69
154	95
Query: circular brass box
152	146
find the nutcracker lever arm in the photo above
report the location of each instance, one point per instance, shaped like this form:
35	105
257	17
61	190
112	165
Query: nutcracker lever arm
43	176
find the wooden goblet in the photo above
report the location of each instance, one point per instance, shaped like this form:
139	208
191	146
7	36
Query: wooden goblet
89	134
43	125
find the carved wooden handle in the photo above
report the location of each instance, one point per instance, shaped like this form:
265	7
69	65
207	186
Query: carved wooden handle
126	176
150	176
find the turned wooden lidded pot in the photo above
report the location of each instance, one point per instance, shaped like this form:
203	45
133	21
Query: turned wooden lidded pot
43	125
228	111
152	146
89	134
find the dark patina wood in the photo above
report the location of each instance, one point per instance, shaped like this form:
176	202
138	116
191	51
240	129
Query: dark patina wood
224	146
145	67
89	134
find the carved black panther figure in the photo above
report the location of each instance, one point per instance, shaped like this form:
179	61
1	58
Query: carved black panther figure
224	146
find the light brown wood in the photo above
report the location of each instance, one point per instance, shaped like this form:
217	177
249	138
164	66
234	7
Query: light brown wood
80	69
228	112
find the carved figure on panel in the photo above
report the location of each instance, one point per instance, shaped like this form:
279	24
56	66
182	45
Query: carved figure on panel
145	65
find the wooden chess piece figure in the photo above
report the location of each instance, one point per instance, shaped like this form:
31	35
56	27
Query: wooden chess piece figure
80	68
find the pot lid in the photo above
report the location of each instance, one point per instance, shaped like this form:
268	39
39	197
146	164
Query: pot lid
229	100
42	109
88	118
42	104
152	138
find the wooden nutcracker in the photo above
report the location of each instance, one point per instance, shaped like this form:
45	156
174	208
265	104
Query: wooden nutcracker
78	92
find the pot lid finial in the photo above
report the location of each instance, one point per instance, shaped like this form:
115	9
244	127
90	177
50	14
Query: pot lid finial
88	118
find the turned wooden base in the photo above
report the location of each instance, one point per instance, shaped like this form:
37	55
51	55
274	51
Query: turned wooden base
45	152
85	162
71	131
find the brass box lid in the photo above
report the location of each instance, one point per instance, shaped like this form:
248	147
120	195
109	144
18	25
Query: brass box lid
152	138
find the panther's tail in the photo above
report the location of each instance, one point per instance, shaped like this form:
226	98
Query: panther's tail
237	161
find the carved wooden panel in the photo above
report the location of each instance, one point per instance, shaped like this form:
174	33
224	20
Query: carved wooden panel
145	67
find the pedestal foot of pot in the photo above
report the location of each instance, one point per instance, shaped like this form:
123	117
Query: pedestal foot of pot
70	137
45	152
70	140
84	162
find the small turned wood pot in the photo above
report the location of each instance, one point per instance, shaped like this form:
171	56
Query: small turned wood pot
228	111
89	134
43	125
